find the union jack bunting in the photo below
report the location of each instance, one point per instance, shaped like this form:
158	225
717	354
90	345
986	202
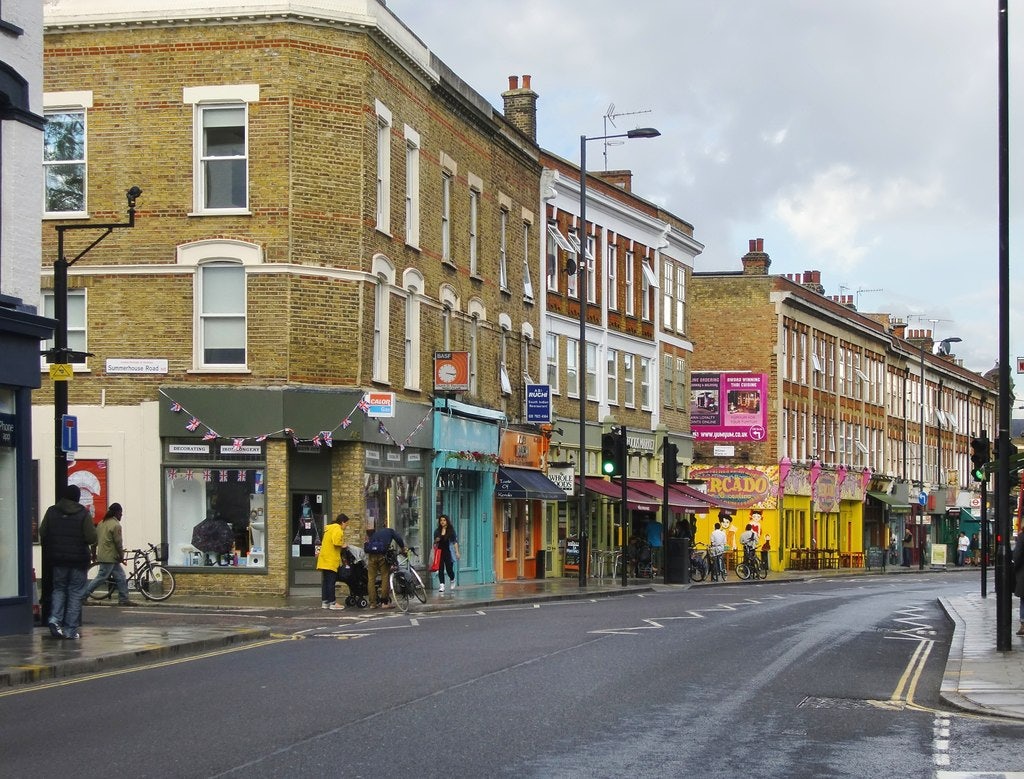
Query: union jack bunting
172	474
175	407
345	423
223	475
261	438
236	444
189	474
241	475
193	424
328	437
211	436
316	440
207	474
363	406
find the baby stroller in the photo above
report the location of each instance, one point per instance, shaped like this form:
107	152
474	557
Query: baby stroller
353	574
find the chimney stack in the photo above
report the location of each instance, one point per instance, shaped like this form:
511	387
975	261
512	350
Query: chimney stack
756	262
521	106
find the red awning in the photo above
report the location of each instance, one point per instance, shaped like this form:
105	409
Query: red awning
676	499
635	501
703	497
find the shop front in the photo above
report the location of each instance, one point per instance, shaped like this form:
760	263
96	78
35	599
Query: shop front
521	492
463	474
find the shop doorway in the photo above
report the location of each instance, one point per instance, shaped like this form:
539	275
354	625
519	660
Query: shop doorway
306	510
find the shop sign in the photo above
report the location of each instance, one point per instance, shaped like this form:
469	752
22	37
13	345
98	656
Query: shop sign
380	404
188	449
451	371
8	429
729	406
538	403
742	487
564	478
227	450
137	366
521	450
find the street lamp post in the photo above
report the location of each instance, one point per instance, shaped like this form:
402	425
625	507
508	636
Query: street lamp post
581	289
60	354
943	348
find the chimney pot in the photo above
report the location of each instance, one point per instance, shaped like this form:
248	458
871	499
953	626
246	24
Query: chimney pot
760	244
753	244
526	81
513	82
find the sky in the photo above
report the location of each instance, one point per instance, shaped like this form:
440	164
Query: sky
856	137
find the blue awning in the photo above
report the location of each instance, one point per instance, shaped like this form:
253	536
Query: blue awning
524	484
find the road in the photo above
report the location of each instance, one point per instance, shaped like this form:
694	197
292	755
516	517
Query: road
833	678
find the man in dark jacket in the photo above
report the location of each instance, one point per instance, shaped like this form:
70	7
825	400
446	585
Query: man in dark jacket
66	533
377	545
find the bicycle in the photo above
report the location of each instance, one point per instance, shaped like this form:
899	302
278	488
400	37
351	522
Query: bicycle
405	582
716	555
147	575
751	567
698	563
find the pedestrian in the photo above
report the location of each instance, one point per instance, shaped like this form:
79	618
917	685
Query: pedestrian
748	540
109	553
963	543
716	551
377	546
908	544
655	531
766	548
66	533
447	541
975	549
328	561
1018	571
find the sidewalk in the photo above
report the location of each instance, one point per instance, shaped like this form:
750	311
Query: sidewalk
977	678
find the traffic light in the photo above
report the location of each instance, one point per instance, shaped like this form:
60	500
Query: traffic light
613	454
670	463
981	454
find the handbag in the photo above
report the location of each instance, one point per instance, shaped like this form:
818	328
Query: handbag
435	561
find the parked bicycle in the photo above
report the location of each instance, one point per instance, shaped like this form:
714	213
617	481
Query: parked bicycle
147	575
751	567
716	563
698	562
405	582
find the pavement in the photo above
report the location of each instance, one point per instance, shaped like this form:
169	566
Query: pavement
978	677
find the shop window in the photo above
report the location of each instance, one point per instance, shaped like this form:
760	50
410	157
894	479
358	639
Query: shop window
216	515
9	553
396	500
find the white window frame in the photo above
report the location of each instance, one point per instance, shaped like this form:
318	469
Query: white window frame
572	367
504	382
210	99
384	272
503	249
645	383
383	193
77	327
667	309
667	380
611	260
412	187
628	380
551	247
680	299
551	356
446	216
203	318
591	271
474	229
527	275
681	399
630	273
612	383
60	103
413	283
592	371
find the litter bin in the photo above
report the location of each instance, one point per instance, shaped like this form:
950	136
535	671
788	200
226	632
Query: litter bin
541	562
677	561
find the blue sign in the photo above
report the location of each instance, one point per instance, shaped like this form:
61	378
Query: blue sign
538	403
69	433
922	498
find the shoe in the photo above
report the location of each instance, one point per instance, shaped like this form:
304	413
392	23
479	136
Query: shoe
70	635
441	588
54	627
388	606
1020	630
325	604
127	603
453	585
336	607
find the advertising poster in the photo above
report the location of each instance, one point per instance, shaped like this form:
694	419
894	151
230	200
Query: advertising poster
91	478
728	406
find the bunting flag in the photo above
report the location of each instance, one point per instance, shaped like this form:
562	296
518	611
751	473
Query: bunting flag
241	475
190	475
316	440
345	423
236	444
172	474
193	424
175	406
363	406
328	438
210	436
383	430
223	475
207	474
261	438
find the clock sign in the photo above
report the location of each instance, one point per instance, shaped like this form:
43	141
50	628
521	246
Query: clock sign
451	371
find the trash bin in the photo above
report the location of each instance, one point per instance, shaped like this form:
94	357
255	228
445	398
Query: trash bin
677	561
541	562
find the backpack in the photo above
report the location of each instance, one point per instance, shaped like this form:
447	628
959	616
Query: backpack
376	546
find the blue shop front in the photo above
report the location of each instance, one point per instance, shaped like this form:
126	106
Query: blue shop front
464	472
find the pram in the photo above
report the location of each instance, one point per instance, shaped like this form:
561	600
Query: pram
352	573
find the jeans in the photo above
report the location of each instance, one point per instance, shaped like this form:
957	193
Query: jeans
447	564
327	581
377	565
101	580
66	602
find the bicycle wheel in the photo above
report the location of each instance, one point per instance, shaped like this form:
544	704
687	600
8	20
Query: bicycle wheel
106	589
743	571
762	571
399	592
156	582
417	586
698	572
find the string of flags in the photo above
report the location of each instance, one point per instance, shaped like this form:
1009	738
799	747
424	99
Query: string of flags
322	438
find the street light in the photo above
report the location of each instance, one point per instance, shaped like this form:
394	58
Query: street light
60	354
581	289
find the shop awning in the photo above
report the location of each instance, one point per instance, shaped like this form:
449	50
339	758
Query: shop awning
524	484
703	497
676	498
635	501
895	505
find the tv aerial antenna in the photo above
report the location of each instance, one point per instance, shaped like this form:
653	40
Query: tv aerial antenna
609	119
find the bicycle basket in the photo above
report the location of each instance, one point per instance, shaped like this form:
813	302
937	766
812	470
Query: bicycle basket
161	553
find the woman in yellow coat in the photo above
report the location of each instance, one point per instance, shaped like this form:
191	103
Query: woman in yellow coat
329	560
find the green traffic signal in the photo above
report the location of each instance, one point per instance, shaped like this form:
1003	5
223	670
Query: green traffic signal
612	454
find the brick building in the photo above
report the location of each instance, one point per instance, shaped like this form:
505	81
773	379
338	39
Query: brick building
808	418
325	205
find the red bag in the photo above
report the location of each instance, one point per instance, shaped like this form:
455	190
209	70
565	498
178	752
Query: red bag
435	562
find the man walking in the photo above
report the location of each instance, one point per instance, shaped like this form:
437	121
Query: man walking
66	533
110	555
